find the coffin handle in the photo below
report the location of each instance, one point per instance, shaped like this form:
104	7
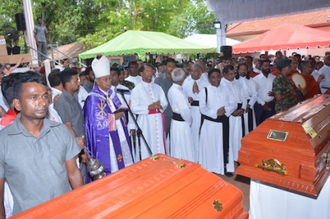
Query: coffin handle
274	166
327	161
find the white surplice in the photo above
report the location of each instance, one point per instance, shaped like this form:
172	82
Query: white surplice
250	93
211	136
235	122
136	80
195	113
152	125
127	96
181	145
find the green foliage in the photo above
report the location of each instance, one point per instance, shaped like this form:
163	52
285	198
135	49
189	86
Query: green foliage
95	22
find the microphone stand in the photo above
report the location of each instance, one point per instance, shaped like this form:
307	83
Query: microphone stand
139	132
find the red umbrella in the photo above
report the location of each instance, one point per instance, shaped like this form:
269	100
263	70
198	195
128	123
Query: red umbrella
284	37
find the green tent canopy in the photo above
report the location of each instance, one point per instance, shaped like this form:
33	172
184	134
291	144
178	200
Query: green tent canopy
142	42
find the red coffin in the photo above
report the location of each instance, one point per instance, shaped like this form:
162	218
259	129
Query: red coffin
291	149
157	187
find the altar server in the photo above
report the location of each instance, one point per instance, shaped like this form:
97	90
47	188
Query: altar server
181	139
216	106
148	102
191	88
107	137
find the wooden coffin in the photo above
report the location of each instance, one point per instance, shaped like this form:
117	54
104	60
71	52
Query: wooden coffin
291	149
157	187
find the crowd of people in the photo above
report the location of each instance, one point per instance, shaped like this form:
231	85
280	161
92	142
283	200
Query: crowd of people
198	111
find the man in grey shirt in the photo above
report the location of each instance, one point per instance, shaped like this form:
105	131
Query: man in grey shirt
40	32
165	81
37	156
68	106
69	109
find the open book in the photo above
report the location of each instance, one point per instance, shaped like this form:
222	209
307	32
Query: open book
121	109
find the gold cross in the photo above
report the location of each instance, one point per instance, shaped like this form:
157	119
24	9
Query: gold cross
119	157
102	106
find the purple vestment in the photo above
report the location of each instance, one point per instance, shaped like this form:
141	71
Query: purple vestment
96	113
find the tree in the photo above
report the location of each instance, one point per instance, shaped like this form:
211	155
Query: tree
194	19
95	22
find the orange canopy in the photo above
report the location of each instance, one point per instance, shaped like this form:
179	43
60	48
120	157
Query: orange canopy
285	37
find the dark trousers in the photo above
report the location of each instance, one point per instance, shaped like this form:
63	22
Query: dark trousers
42	48
262	114
168	120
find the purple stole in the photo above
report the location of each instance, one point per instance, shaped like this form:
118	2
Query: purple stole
96	113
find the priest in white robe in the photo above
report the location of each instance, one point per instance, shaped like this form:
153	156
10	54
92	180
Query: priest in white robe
181	139
235	120
148	102
191	88
216	106
106	133
248	86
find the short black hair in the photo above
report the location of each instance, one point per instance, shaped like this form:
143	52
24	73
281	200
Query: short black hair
39	18
228	68
160	64
54	78
7	87
169	60
66	75
141	69
88	69
263	61
112	68
211	71
21	78
83	73
132	63
249	57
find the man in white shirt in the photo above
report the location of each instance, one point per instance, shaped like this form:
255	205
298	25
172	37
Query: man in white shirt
55	84
191	88
133	70
265	106
325	71
148	101
181	139
250	95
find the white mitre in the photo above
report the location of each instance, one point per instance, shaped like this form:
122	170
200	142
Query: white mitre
101	67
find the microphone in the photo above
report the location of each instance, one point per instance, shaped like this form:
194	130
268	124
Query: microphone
118	90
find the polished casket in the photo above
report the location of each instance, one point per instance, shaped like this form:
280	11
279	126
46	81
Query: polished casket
156	187
291	149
